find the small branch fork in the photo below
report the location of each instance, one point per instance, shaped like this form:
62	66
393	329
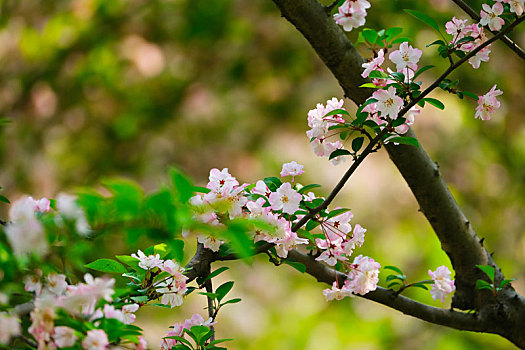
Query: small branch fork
475	16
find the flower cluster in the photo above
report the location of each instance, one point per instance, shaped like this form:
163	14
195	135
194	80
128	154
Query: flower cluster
443	284
56	300
362	278
180	328
173	288
459	31
352	14
488	104
25	232
228	199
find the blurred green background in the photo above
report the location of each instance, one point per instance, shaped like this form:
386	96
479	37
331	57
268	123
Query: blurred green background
91	89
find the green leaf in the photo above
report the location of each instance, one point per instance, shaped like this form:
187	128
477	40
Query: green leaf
296	265
219	341
369	85
209	295
401	40
336	212
437	42
216	273
481	284
398	121
395	277
421	70
434	102
273	183
395	283
140	299
378	74
471	95
310	225
405	140
424	18
336	112
237	234
420	286
160	305
398	76
357	143
338	153
465	40
183	185
176	247
129	260
106	265
488	270
181	339
223	289
232	301
504	282
4	199
393	32
393	268
200	189
305	189
370	35
127	195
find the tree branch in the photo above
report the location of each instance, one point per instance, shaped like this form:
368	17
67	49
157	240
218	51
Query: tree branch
387	297
475	16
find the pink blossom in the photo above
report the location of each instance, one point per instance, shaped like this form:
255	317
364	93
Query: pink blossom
388	103
488	104
456	27
358	236
111	312
33	284
481	56
517	6
405	57
147	262
409	116
336	293
364	275
96	340
25	233
210	242
173	290
64	337
443	284
285	198
68	206
172	267
289	242
489	16
219	179
319	122
9	327
128	311
292	169
56	283
374	64
351	14
261	188
198	320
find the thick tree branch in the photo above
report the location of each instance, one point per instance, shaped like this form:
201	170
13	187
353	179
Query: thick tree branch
475	16
387	297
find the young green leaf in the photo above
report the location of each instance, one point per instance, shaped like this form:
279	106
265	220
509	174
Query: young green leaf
107	265
296	265
424	18
223	289
216	272
393	268
337	153
488	270
436	103
405	140
357	143
336	112
481	284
